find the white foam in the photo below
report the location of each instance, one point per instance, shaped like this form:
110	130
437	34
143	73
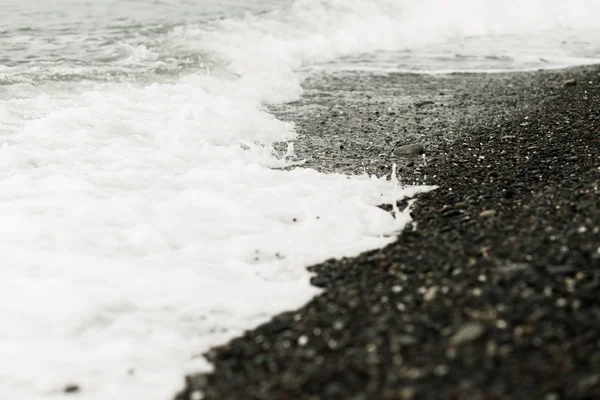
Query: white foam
519	34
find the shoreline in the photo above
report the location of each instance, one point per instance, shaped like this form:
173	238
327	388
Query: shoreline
494	294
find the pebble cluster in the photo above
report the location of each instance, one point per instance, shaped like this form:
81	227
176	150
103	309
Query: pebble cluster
494	293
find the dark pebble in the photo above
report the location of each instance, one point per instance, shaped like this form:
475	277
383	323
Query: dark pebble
424	103
319	282
410	150
72	389
552	98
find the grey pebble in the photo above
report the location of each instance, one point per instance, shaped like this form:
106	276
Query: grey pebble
552	98
424	103
467	333
487	213
410	150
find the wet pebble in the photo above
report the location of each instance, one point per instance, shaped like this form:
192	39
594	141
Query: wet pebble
467	333
409	150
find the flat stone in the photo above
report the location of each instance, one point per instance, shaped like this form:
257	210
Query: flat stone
319	282
487	213
410	149
424	103
552	98
469	332
72	389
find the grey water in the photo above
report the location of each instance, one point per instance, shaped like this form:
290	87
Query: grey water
154	41
70	39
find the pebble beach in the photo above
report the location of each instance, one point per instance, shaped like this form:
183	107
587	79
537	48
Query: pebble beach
493	291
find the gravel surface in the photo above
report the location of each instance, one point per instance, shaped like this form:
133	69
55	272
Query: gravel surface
493	294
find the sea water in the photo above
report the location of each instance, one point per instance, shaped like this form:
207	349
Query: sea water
145	214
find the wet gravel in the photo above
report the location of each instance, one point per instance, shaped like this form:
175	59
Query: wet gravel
495	294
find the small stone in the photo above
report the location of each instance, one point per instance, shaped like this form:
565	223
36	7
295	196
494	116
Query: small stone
441	370
521	330
451	212
407	340
412	373
430	293
570	82
410	149
72	389
491	348
196	395
407	393
319	282
588	382
397	289
487	213
302	340
552	98
560	269
424	103
469	332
